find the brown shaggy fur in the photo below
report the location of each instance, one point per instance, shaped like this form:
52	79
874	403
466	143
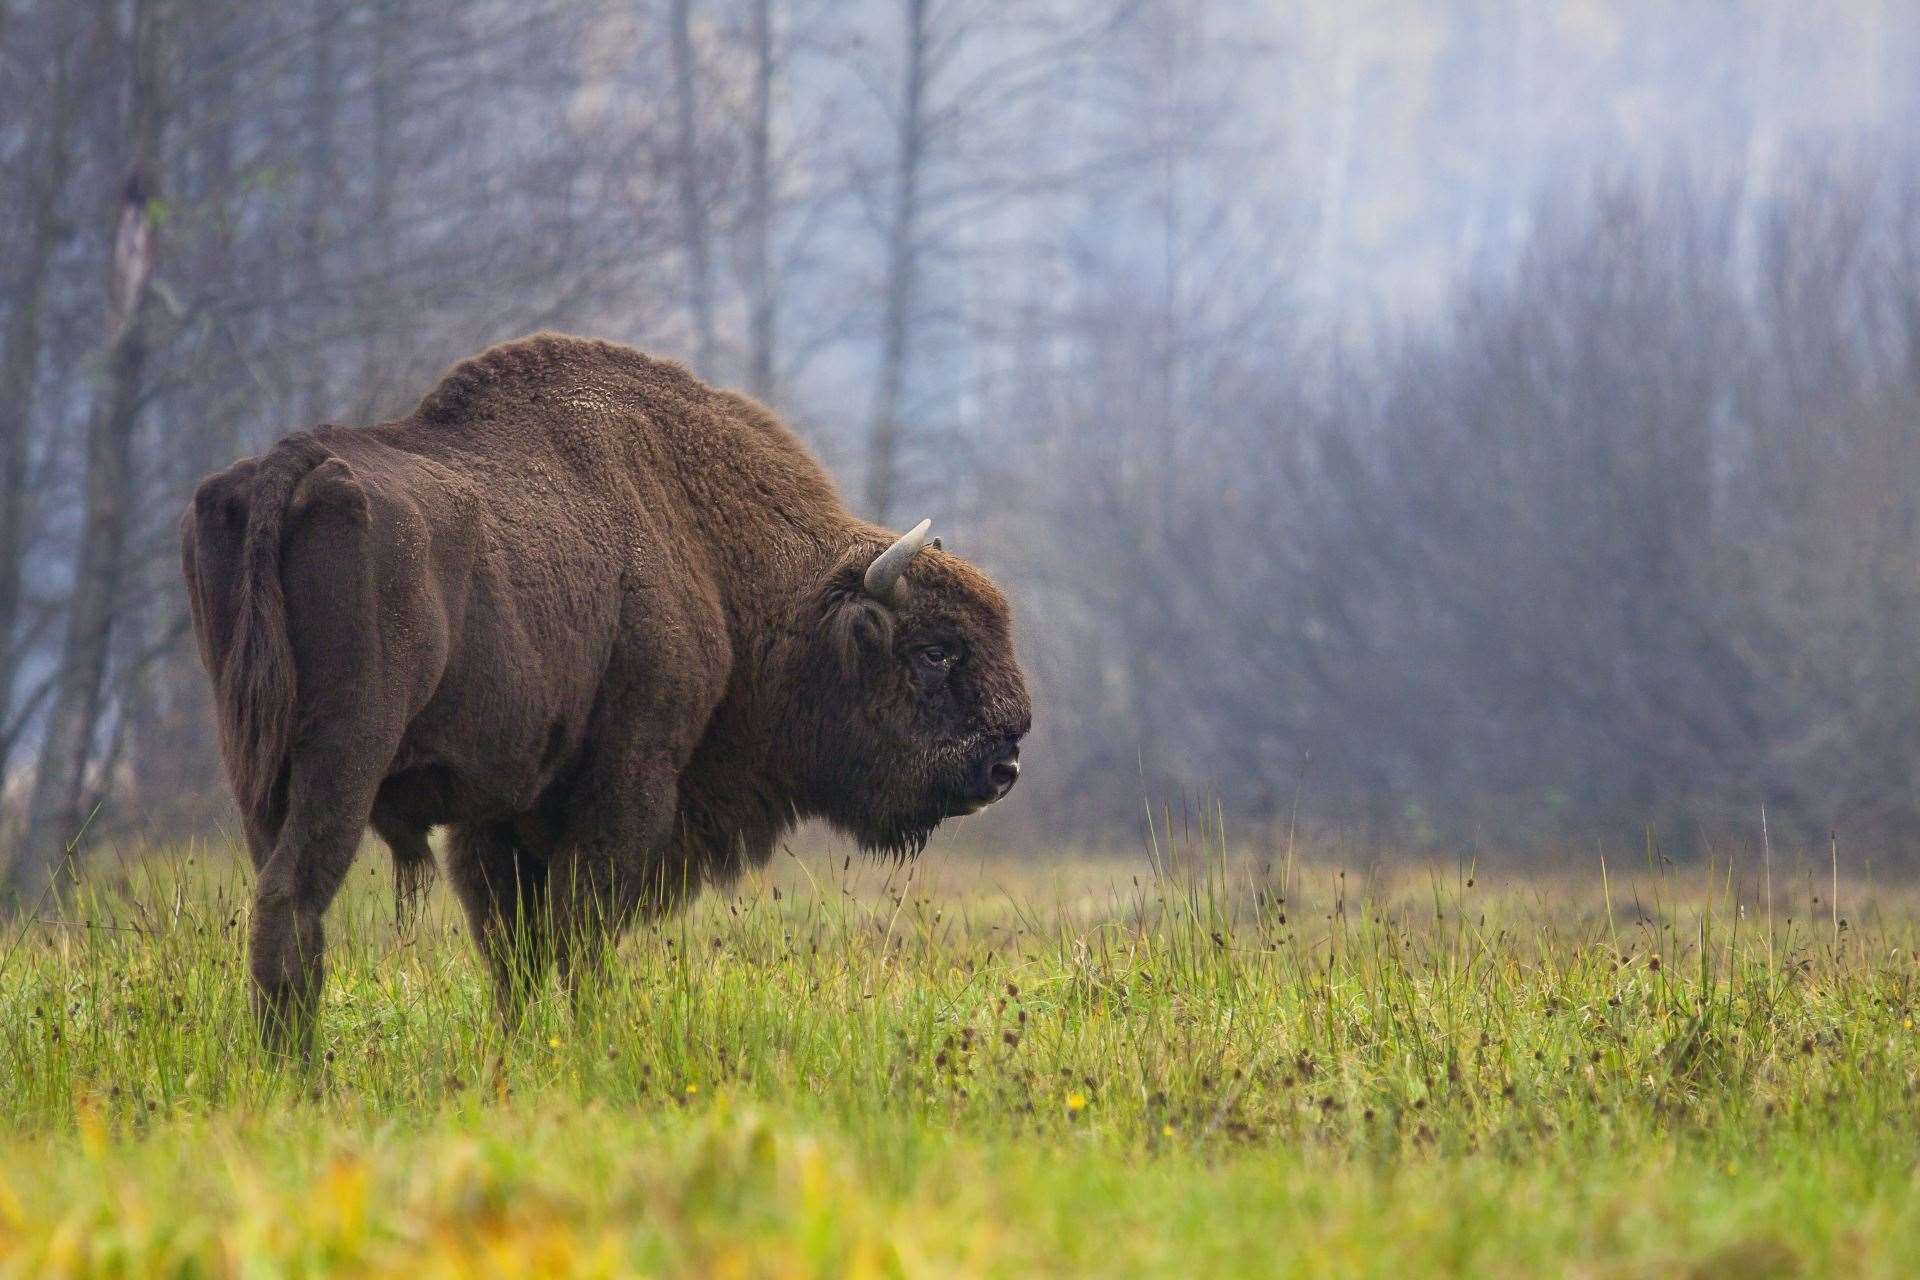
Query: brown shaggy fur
602	620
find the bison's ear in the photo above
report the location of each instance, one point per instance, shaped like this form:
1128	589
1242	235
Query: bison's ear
859	632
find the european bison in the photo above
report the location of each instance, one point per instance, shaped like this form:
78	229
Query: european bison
610	625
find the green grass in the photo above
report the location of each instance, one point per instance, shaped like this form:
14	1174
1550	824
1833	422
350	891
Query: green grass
988	1068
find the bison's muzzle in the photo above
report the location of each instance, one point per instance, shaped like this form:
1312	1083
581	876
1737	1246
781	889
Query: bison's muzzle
990	778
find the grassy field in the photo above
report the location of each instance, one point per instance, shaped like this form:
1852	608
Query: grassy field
988	1067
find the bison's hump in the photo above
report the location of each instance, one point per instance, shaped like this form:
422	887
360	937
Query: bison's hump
543	366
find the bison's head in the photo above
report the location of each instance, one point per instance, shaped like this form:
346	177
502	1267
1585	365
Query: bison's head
908	707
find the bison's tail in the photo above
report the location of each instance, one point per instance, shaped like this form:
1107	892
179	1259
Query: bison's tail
255	684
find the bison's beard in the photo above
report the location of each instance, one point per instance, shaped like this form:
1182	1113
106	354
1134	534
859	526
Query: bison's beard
894	841
897	834
891	817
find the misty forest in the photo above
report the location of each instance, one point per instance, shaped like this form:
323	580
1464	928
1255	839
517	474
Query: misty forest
1470	426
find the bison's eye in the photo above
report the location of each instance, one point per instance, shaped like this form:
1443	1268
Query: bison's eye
936	659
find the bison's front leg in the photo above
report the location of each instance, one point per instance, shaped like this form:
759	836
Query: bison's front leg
503	886
609	863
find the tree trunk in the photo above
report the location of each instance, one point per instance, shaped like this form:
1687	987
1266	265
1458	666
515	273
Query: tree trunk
318	162
760	315
883	437
19	368
376	306
54	816
693	208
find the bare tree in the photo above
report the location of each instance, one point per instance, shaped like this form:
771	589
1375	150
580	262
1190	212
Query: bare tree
54	815
47	170
903	218
688	173
322	196
965	72
761	318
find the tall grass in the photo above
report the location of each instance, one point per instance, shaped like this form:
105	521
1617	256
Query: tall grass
1196	1041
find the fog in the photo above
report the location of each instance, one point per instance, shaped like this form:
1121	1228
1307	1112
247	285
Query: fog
1469	426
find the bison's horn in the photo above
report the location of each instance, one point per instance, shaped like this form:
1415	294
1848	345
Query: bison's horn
883	575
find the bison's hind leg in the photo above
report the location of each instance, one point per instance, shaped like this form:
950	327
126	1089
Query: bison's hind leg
503	886
349	718
330	798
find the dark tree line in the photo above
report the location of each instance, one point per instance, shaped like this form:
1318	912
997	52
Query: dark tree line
1626	539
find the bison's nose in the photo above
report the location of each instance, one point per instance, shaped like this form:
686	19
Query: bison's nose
1001	772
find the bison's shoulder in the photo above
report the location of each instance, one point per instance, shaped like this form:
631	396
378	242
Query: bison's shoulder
543	368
